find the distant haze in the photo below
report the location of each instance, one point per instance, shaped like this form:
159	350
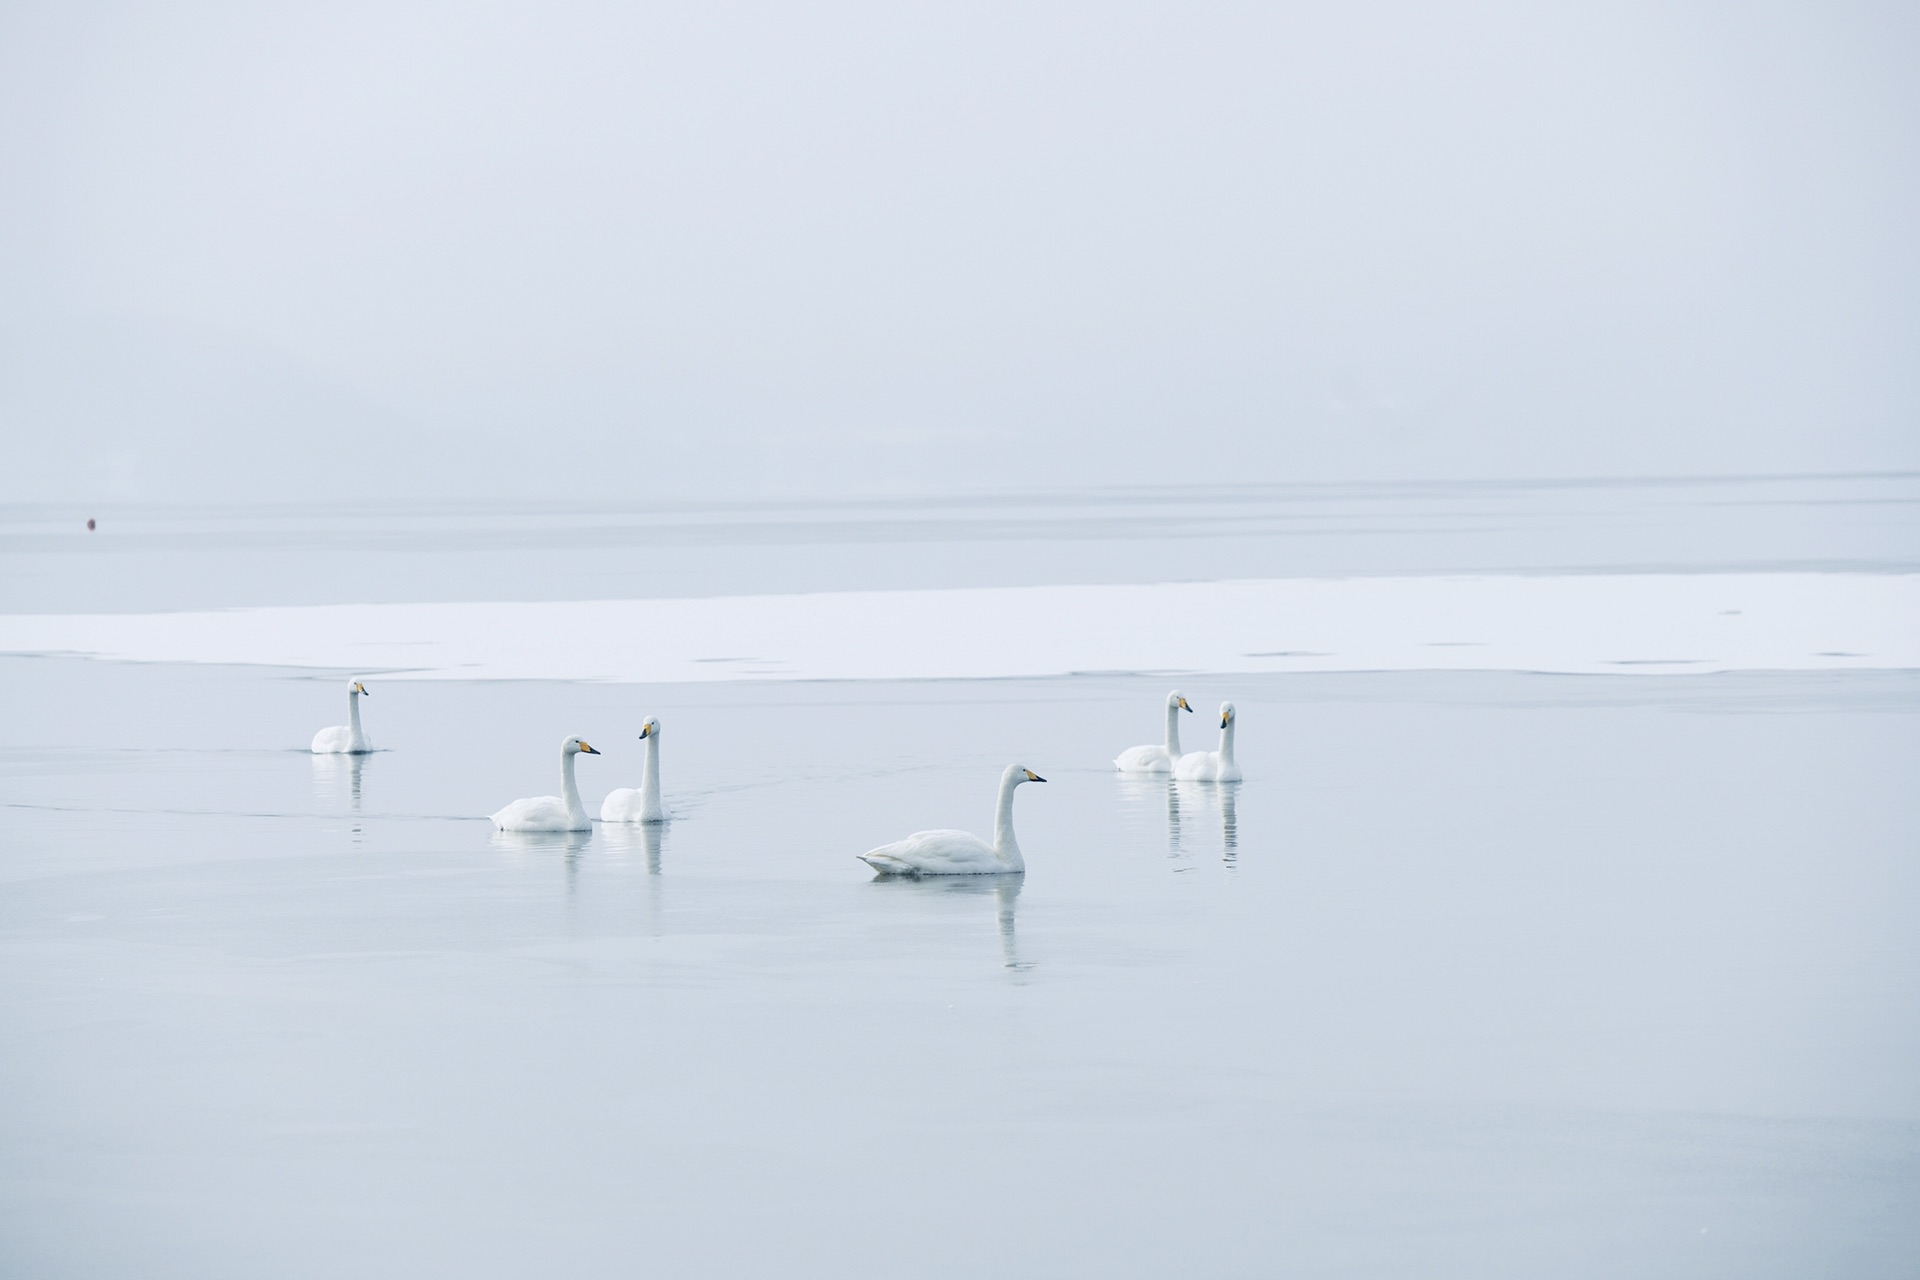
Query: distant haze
253	252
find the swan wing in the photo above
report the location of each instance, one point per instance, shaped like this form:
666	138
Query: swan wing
1196	766
935	853
1151	758
332	740
539	813
622	805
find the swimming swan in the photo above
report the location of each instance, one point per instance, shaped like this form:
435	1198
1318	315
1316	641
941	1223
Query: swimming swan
959	853
1212	766
345	739
551	813
1152	759
642	805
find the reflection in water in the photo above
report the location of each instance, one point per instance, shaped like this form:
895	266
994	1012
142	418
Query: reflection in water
1144	791
337	778
1006	893
567	843
1224	796
624	839
636	837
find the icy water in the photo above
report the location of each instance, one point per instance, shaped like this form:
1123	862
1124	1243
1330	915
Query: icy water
1477	974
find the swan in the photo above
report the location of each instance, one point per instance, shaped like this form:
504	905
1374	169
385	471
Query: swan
959	853
551	813
1212	766
1157	759
629	804
345	739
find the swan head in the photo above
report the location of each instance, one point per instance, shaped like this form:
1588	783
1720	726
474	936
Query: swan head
1226	714
651	729
1177	699
1019	773
575	746
356	688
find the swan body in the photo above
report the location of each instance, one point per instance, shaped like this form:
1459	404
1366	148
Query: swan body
345	739
1212	766
959	853
1154	758
642	803
551	813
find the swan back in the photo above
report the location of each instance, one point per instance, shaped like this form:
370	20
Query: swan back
642	803
348	738
947	853
1155	757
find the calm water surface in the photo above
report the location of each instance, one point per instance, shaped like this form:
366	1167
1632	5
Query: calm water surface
1475	975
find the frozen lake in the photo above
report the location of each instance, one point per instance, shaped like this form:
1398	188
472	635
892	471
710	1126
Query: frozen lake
1479	973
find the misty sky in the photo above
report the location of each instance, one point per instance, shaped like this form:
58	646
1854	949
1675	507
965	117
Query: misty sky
718	250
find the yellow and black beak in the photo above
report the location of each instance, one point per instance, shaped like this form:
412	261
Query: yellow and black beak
1184	706
1224	717
646	730
1034	777
588	749
361	689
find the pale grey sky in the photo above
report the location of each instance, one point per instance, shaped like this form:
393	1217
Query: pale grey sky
307	251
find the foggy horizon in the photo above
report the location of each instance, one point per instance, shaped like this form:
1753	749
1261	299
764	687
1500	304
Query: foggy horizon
757	254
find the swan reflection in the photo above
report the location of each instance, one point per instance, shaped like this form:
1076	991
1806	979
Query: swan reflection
1148	792
646	838
337	778
1004	889
1202	796
568	844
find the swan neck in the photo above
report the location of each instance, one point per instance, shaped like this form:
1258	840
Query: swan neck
1226	740
650	778
1173	729
569	790
353	716
1005	847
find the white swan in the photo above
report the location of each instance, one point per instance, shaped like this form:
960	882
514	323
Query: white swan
1156	759
345	739
551	813
1212	766
629	804
959	853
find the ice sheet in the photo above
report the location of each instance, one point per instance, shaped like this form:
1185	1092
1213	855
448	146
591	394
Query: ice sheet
1577	623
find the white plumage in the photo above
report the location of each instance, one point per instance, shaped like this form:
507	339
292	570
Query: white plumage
1212	766
551	813
1152	758
345	739
959	853
641	803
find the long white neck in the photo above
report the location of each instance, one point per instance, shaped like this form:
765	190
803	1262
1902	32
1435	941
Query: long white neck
1226	740
650	808
354	736
569	790
1173	729
1005	847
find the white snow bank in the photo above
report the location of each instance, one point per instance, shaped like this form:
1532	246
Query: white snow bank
1624	624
